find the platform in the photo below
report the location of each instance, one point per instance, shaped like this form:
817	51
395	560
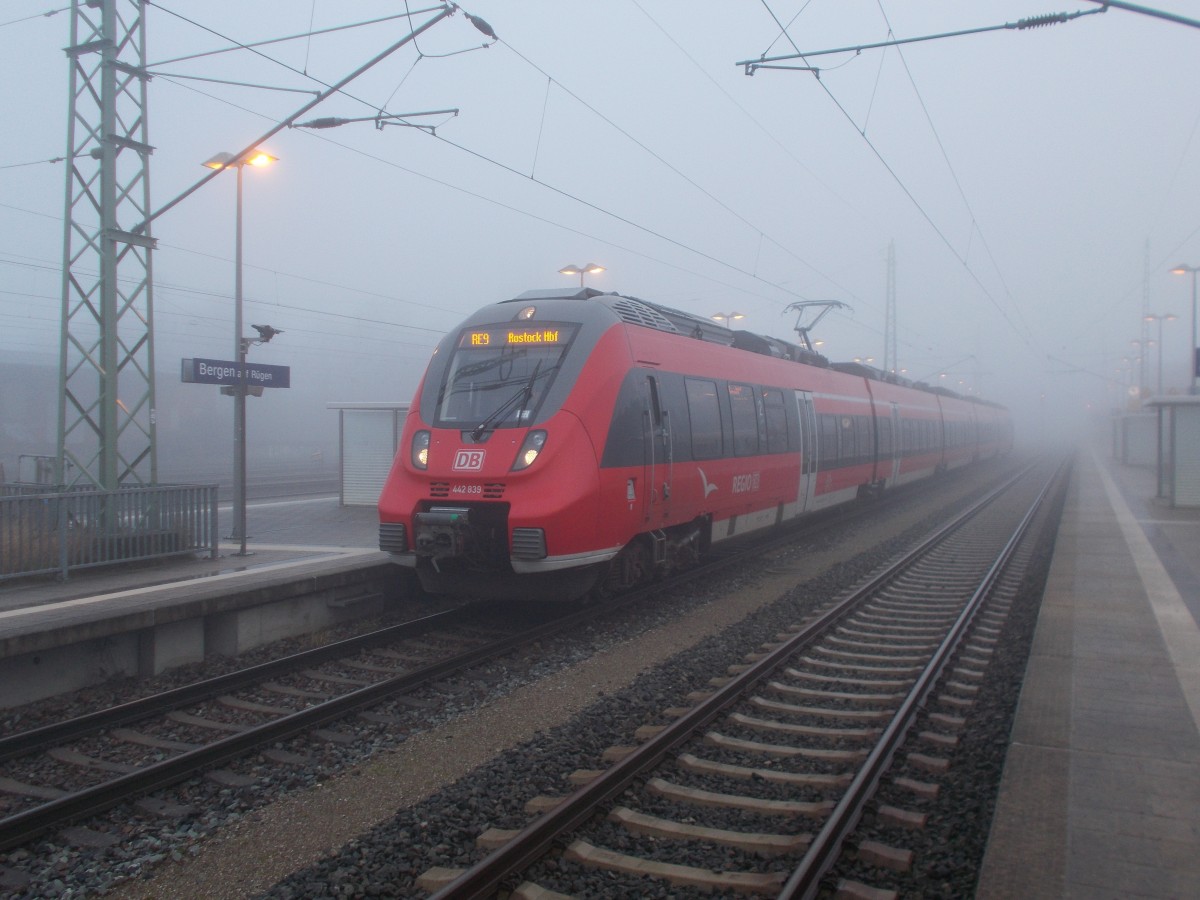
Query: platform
1100	795
311	564
280	533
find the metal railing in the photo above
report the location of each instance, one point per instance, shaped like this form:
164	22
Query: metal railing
57	532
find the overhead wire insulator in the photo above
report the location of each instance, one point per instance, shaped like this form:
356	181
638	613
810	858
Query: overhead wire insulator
1042	21
481	25
326	122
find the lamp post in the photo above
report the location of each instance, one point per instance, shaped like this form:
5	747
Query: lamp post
1183	270
1143	349
589	269
1160	318
228	161
727	317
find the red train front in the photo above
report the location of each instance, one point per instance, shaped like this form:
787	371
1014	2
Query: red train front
563	440
498	475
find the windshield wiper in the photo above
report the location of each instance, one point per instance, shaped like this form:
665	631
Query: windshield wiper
472	369
524	395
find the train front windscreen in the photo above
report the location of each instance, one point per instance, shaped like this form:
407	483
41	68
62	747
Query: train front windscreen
499	375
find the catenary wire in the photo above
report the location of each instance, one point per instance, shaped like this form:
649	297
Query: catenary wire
954	175
559	191
1027	339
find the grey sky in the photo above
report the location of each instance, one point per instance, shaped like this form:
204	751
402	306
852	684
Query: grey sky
1028	179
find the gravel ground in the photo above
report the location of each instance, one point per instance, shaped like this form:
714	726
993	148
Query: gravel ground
492	745
948	852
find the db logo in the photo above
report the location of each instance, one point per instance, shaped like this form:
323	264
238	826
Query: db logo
468	461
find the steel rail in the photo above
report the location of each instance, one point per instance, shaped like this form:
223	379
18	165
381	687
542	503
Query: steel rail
532	842
827	844
25	742
20	828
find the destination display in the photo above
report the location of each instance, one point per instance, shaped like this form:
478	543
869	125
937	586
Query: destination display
505	336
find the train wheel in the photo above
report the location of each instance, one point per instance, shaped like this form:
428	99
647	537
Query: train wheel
631	567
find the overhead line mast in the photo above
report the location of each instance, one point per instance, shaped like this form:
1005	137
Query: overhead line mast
106	415
106	412
890	362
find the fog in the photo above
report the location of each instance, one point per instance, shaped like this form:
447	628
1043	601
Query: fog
1036	185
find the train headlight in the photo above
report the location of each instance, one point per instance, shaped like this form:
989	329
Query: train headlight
532	446
420	450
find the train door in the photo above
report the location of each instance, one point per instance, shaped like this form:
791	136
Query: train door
895	449
808	448
659	461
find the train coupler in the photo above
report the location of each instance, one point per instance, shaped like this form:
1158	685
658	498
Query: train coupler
441	533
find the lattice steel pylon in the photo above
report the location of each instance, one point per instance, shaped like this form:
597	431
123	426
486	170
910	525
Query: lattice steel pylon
890	363
106	416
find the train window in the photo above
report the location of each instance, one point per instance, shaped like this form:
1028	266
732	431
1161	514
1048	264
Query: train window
862	428
829	441
498	377
849	448
705	412
744	410
775	414
655	403
884	429
626	444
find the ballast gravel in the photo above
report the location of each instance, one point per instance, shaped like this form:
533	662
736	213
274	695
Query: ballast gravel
368	823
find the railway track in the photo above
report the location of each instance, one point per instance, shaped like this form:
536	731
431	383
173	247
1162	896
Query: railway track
78	768
766	776
65	772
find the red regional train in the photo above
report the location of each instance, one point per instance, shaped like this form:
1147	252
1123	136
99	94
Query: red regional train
570	440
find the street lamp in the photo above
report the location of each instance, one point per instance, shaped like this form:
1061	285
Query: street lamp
1143	351
727	317
1183	270
229	161
589	269
1160	318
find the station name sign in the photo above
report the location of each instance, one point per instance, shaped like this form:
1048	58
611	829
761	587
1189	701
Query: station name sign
223	371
